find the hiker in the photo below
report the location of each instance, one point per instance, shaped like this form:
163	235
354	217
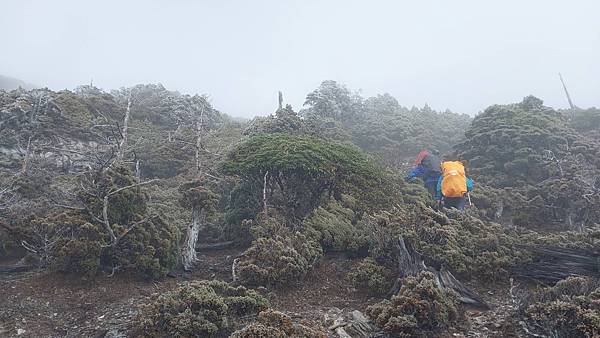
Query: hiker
427	167
453	186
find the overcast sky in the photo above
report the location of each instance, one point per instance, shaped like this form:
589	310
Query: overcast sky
460	55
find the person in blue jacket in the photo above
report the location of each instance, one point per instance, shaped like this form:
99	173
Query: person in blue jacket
428	169
452	202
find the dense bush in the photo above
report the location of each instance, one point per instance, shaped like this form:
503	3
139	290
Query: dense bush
340	228
278	255
274	324
371	276
149	250
549	170
196	309
244	203
286	120
146	243
420	309
457	240
586	121
300	171
81	253
65	241
571	308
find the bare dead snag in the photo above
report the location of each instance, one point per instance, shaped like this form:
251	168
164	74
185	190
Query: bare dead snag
137	170
567	93
265	192
124	132
280	100
199	136
234	269
189	254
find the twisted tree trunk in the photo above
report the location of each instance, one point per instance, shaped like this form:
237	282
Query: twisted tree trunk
189	255
410	263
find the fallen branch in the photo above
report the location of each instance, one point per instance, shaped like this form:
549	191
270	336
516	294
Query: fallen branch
552	264
215	246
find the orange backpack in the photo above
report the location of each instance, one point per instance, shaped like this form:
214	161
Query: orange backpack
454	180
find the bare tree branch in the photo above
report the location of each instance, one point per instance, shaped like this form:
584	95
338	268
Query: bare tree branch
124	133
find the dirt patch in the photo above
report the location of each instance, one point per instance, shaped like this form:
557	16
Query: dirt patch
42	304
323	288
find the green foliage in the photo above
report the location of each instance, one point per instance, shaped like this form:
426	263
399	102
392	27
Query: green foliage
196	194
274	324
149	250
196	309
147	245
383	128
65	241
420	308
371	276
340	228
571	308
158	156
301	170
287	121
82	253
333	100
125	206
503	137
167	109
586	120
71	243
394	133
278	255
547	168
457	240
244	203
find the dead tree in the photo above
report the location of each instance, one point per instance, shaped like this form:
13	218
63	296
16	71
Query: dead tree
280	100
552	263
201	201
566	92
199	139
410	263
124	132
189	253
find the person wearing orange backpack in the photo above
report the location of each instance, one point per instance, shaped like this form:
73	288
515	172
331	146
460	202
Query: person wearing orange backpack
453	185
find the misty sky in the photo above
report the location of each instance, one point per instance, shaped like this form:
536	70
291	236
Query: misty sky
460	55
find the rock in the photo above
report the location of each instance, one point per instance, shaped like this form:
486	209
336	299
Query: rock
20	332
344	324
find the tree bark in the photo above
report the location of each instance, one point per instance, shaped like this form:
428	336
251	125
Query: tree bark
189	254
410	263
199	134
138	174
265	192
124	133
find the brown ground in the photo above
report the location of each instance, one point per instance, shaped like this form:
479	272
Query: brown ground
53	305
41	304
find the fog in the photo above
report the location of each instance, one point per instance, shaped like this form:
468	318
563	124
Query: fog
457	55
